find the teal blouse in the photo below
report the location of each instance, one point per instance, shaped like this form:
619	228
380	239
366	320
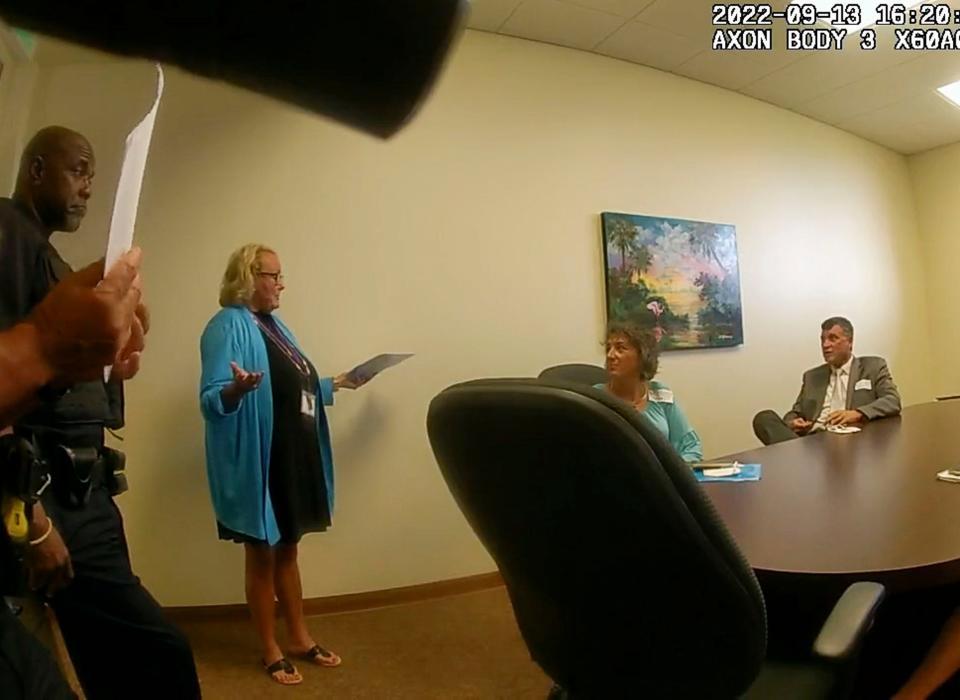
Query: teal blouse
667	417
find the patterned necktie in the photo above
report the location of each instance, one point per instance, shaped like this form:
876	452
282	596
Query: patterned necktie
838	402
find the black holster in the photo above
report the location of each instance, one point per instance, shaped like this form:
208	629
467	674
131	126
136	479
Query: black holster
115	466
77	471
23	474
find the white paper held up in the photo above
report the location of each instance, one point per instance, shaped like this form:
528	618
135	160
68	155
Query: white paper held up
131	179
127	200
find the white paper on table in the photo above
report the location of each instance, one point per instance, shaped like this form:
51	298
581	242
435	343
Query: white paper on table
843	429
127	199
721	472
366	371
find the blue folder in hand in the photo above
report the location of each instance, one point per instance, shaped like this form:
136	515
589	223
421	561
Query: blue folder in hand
748	472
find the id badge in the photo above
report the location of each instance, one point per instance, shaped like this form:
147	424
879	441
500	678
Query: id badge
308	404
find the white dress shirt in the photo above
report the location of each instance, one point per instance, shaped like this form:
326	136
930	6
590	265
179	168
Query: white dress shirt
836	397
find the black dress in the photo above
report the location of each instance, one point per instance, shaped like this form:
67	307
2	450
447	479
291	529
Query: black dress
298	490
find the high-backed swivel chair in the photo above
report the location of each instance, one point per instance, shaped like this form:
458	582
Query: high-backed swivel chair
623	580
576	373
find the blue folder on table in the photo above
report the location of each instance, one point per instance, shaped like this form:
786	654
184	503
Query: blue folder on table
748	472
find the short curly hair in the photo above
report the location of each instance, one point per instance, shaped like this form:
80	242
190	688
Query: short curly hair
644	342
242	268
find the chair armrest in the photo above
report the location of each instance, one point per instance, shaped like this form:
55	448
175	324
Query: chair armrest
849	621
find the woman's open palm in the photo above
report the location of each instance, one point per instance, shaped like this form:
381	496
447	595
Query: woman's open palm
244	380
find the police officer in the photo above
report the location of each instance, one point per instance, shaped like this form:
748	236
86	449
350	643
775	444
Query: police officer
79	327
119	641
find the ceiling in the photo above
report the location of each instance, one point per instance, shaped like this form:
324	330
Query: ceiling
886	96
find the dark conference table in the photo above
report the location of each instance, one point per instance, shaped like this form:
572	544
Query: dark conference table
864	506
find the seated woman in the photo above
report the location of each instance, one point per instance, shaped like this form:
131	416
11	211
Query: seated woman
632	360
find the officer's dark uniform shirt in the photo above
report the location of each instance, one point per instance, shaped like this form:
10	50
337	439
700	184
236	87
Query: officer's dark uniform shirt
29	267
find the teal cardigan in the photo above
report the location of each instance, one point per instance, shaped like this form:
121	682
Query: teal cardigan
238	441
669	419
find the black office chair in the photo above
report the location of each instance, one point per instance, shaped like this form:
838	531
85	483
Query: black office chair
624	582
576	373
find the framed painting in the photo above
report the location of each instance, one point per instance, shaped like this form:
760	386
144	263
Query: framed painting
677	277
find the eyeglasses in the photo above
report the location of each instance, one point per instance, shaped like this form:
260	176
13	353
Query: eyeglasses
277	276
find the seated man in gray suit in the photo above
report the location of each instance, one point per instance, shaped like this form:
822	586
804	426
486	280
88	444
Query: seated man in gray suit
844	391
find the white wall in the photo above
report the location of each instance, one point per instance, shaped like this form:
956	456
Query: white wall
17	81
936	186
472	239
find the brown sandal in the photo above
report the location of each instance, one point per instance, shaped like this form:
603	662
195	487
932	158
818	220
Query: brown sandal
282	665
320	656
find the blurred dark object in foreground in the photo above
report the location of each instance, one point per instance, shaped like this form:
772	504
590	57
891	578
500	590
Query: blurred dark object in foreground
366	63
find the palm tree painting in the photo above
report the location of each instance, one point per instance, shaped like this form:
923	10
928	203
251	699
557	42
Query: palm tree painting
679	278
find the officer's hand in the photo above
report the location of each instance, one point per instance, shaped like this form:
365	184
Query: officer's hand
128	362
86	323
48	563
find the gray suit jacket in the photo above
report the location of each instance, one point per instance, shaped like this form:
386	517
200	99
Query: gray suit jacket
880	400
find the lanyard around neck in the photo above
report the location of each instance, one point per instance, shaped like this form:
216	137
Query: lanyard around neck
285	346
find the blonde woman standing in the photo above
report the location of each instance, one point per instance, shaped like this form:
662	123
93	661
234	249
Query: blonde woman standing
269	459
